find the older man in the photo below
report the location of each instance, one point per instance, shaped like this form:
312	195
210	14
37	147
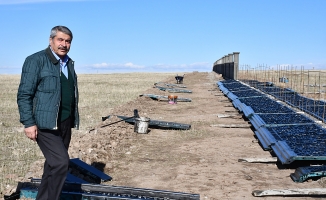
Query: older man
48	106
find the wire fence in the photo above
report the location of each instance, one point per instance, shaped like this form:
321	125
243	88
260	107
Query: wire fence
300	87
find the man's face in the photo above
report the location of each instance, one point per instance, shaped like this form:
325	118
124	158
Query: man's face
60	44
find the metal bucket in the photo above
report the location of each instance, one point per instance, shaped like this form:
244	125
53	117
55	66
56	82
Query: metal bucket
141	125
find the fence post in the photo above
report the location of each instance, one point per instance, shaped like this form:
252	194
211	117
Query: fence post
231	66
236	65
223	66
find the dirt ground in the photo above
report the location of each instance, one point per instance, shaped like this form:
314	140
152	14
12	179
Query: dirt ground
202	160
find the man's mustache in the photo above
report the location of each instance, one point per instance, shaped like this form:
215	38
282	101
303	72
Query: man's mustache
63	48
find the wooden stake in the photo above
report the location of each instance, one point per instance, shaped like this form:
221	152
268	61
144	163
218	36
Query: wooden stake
290	192
258	160
231	125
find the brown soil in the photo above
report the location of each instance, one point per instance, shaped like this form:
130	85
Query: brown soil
202	160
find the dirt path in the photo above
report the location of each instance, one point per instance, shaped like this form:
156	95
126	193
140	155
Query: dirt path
203	160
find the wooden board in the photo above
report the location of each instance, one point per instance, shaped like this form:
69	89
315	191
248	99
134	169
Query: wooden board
259	160
231	125
290	192
228	115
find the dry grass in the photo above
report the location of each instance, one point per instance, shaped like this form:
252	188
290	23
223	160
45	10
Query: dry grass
99	94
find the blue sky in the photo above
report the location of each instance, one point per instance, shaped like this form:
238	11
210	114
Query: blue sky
167	35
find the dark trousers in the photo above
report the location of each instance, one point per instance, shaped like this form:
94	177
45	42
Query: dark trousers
54	146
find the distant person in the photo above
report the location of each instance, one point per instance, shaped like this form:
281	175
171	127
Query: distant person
48	106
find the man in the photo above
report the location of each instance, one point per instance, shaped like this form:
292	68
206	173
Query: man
48	106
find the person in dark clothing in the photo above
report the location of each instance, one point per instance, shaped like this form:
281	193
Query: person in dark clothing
47	101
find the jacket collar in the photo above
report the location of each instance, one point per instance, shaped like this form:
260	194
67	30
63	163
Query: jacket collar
51	56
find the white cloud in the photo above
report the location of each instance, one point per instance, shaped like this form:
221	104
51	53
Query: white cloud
127	68
131	67
100	65
114	66
10	70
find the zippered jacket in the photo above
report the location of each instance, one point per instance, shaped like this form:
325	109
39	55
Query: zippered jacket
39	92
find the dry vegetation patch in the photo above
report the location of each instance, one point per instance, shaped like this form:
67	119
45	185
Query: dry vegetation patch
99	95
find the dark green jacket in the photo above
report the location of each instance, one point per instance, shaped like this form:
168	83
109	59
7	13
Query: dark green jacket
39	92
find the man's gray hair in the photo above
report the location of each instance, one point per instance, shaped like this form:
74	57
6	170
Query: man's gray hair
63	29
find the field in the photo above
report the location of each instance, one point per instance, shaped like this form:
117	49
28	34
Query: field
203	160
99	94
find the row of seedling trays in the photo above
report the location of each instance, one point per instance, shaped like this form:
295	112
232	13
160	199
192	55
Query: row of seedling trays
290	134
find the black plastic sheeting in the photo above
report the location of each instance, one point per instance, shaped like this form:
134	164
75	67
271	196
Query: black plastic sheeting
291	135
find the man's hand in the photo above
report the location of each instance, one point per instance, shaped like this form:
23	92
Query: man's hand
31	132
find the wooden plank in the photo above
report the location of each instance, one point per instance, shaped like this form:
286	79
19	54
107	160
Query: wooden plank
259	160
290	192
224	101
228	115
232	111
231	125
